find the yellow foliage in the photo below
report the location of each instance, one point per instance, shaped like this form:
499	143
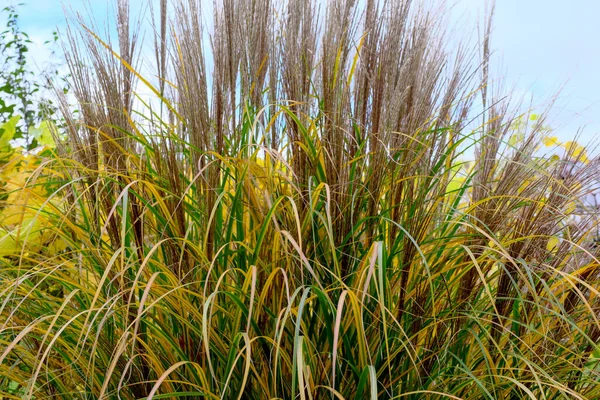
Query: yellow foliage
573	149
570	208
550	141
25	200
576	151
552	244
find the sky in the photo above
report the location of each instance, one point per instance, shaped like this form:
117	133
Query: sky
543	49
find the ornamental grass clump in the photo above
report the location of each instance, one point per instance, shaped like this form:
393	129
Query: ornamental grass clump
303	201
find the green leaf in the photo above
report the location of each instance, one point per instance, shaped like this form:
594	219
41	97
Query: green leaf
7	131
516	138
43	134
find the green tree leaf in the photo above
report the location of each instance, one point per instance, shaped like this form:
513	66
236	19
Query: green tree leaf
7	131
43	134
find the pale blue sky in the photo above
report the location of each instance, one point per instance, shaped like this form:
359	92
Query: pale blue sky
540	46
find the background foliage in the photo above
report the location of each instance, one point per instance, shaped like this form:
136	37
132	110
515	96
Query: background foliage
25	91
